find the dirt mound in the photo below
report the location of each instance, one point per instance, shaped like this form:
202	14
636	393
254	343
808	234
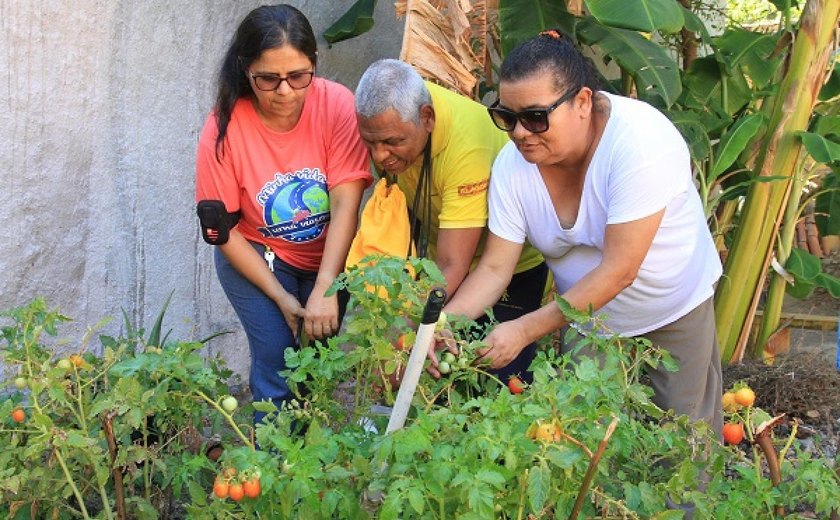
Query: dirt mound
804	385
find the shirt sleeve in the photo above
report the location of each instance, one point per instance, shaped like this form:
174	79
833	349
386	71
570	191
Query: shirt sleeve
215	178
348	159
507	218
465	181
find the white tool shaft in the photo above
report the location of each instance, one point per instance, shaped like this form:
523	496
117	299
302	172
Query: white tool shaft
425	336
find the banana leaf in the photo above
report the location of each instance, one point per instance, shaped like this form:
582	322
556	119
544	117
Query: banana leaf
523	19
656	74
820	148
638	15
734	141
693	132
827	204
750	52
357	20
831	89
807	274
826	126
704	79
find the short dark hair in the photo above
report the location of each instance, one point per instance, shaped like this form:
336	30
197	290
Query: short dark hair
264	28
554	52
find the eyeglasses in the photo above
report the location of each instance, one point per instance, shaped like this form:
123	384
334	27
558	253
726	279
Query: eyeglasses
296	80
534	120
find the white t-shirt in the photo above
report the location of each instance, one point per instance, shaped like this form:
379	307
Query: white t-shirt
641	165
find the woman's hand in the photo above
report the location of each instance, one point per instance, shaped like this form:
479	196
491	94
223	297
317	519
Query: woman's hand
321	316
291	309
504	343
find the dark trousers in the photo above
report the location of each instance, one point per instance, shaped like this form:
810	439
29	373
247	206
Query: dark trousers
523	295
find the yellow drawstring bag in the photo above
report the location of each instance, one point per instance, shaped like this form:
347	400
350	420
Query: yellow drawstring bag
384	227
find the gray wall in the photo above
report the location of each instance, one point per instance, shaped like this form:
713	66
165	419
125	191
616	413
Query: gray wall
101	103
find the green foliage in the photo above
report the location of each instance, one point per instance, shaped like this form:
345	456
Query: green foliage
133	411
752	12
470	448
355	22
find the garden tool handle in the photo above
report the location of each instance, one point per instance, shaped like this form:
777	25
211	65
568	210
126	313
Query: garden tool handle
425	336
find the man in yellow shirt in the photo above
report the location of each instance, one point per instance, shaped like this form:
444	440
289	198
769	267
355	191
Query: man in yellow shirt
440	147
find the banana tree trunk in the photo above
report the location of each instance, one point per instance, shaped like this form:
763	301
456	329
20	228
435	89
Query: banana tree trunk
738	291
776	288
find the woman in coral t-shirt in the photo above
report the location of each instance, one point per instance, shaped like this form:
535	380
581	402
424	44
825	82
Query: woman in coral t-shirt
279	178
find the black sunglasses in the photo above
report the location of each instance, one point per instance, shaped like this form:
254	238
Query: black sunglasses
534	120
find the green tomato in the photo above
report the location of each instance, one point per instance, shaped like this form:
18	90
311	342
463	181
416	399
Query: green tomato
441	322
444	368
20	383
449	357
463	362
229	404
64	364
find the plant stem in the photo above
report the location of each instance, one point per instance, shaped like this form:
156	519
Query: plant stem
765	442
590	471
71	483
228	417
108	427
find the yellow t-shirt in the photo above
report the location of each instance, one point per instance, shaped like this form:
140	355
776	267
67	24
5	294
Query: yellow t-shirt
464	145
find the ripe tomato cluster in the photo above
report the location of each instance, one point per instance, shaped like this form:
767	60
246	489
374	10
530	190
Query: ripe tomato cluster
733	400
229	484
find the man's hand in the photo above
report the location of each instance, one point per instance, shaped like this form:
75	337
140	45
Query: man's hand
504	343
444	340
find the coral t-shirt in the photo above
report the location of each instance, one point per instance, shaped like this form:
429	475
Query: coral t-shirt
280	181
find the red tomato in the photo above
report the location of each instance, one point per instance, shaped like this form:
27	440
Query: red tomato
733	433
251	487
236	492
221	488
515	385
18	415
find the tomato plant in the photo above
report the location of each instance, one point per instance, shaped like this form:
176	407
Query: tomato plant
468	449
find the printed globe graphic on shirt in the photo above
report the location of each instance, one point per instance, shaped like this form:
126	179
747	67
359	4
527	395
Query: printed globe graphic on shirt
296	205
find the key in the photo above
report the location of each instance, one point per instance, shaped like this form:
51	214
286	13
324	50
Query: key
269	258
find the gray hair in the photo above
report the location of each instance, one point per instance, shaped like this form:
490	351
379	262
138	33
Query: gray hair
392	84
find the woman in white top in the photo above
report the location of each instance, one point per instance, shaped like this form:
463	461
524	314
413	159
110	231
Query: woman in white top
602	186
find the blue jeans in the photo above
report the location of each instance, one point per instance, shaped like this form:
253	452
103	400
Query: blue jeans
268	333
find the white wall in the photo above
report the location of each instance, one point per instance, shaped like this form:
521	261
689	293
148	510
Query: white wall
101	103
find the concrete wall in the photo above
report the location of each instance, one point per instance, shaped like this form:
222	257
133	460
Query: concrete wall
101	103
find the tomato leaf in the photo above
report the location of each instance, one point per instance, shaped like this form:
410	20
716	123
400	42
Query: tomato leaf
539	482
